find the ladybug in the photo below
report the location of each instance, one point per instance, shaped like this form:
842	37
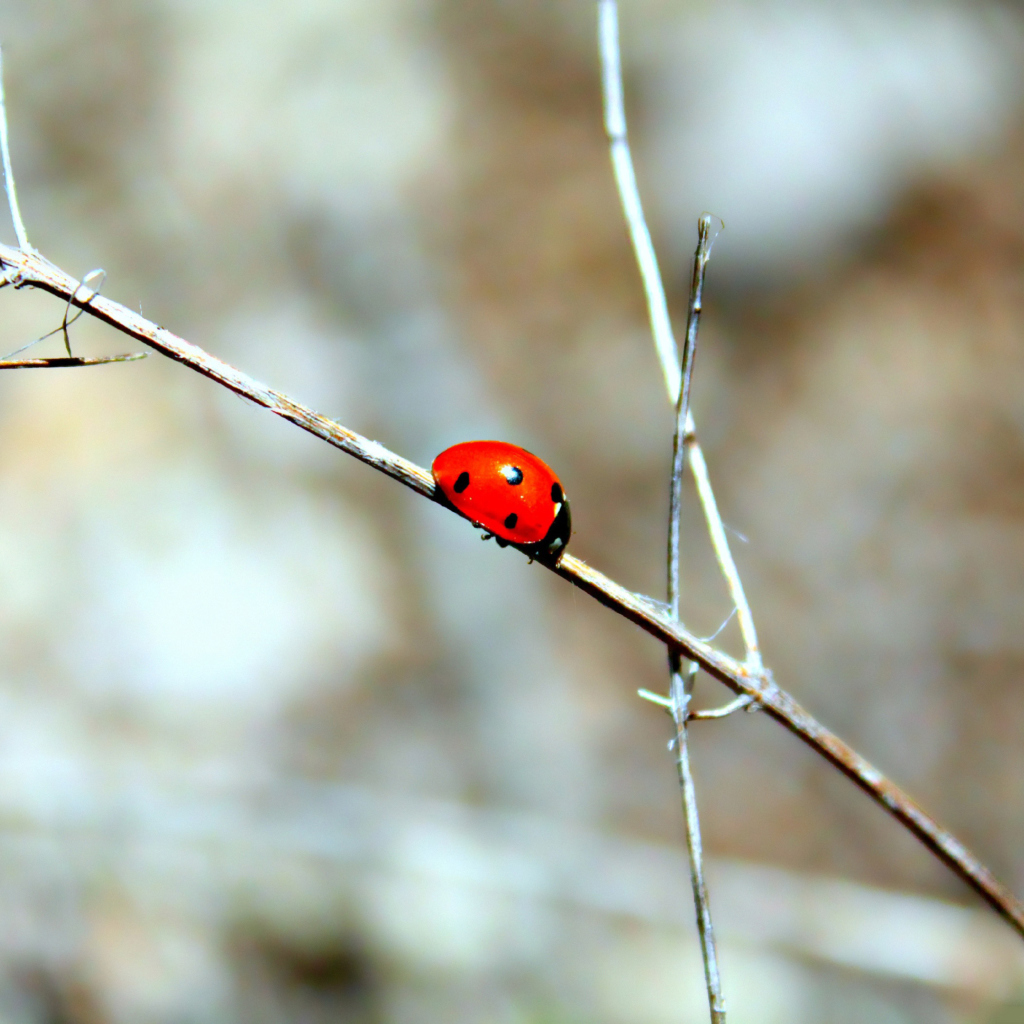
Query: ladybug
508	492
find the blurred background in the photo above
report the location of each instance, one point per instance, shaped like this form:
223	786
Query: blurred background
280	741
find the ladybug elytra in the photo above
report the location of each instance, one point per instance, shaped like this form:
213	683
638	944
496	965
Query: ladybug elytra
508	492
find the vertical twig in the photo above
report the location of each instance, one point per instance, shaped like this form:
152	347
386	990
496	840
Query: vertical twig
677	380
625	179
700	261
657	307
682	681
682	689
5	156
9	276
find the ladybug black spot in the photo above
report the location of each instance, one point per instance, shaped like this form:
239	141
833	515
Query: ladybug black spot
510	521
556	492
462	483
513	475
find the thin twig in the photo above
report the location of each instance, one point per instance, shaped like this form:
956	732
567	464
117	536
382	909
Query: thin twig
63	361
657	306
5	157
625	178
656	698
682	680
736	704
677	380
700	262
30	269
723	554
682	691
7	363
696	306
66	323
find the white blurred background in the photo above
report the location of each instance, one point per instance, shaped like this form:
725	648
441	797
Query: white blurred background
280	741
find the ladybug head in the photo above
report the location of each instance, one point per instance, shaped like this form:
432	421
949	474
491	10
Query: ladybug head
551	547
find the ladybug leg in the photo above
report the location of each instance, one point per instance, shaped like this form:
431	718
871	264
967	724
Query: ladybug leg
486	536
501	543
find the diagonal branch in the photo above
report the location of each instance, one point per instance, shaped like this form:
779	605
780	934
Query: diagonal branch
29	269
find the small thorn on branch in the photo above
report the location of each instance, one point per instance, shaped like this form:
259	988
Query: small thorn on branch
656	698
741	702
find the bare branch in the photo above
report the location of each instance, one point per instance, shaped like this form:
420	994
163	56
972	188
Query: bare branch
63	361
681	683
700	262
696	306
736	704
657	306
625	178
681	689
29	269
7	363
677	380
5	157
723	554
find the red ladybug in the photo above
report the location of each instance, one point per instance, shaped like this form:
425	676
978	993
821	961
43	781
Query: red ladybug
508	492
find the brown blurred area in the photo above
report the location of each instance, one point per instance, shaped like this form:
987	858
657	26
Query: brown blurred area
280	742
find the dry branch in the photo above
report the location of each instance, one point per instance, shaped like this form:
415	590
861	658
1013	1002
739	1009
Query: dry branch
29	269
657	311
53	362
5	162
681	681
